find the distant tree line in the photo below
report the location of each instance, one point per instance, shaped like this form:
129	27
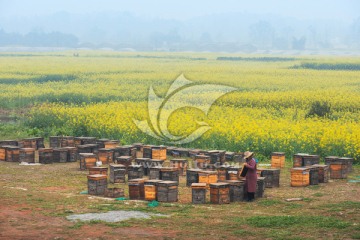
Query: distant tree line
38	39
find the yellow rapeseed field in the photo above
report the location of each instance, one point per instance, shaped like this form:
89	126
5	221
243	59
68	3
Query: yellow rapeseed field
100	93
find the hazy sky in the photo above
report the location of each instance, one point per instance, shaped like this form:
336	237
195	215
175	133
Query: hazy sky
345	10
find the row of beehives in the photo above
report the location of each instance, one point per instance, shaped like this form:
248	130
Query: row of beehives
162	185
68	149
307	169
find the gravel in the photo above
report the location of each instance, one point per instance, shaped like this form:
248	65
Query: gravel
112	216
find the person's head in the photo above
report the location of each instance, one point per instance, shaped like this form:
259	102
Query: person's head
248	155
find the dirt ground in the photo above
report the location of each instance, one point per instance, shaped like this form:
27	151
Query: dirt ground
34	201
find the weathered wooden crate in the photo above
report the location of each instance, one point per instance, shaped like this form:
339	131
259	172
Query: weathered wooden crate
201	161
167	191
169	174
98	170
217	156
298	159
348	162
309	160
12	154
87	160
97	184
8	143
150	187
331	159
260	187
198	191
27	155
223	173
101	142
135	171
237	189
114	192
72	154
46	155
55	141
124	160
106	155
338	170
180	164
28	143
323	172
208	177
147	151
192	176
145	163
219	193
67	141
84	140
154	173
111	144
3	152
272	177
278	159
314	175
60	155
137	189
117	173
158	152
300	177
39	142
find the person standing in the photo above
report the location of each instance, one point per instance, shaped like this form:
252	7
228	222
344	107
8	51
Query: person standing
251	175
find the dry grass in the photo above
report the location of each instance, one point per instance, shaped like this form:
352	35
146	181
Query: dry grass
44	195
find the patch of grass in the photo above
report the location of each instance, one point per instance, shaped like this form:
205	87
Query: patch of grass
294	205
318	194
242	233
77	225
314	187
346	205
118	224
287	221
282	235
269	202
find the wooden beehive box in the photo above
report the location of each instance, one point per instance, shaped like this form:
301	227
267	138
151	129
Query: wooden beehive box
272	177
198	193
208	177
117	173
137	189
298	159
98	170
60	155
300	177
311	160
46	155
101	142
202	161
27	155
124	160
219	193
236	190
97	184
72	154
348	162
323	172
167	191
114	192
180	164
158	152
87	160
67	141
260	187
169	174
150	188
12	154
278	160
135	171
106	155
111	144
338	170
